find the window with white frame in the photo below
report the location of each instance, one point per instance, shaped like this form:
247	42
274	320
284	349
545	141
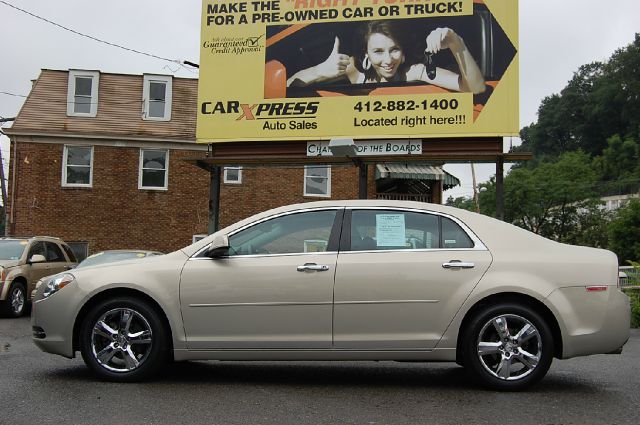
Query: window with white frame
317	180
77	166
157	93
154	169
82	94
233	175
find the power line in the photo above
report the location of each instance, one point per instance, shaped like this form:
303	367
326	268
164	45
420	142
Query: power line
176	61
11	94
42	100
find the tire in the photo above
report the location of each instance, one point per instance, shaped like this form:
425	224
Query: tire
508	347
16	303
123	340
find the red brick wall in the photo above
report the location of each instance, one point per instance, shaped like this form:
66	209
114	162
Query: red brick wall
114	213
265	188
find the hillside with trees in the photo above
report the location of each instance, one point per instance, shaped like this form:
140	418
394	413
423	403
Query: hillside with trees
586	145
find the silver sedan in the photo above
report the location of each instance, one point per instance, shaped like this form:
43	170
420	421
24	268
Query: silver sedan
344	280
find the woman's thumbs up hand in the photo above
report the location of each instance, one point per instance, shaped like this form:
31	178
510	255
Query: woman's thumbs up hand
334	66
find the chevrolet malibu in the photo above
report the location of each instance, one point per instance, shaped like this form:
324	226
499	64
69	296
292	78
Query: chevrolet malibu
344	280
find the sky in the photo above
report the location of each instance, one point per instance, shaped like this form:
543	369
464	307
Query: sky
556	38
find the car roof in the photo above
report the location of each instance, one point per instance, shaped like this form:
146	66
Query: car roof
36	238
127	250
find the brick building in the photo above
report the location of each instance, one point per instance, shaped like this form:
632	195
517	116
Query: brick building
106	161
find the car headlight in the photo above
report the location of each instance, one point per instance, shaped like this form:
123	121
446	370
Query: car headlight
56	283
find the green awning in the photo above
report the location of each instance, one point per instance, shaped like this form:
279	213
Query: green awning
416	172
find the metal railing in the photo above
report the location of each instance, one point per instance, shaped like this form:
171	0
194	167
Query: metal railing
404	197
629	277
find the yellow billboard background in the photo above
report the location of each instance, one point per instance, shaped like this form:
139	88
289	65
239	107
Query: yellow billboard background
243	93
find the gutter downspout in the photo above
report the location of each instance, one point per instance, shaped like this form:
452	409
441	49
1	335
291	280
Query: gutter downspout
14	165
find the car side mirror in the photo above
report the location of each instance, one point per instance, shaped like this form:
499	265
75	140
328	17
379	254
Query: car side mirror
219	247
37	258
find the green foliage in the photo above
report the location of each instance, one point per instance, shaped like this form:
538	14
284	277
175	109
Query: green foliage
586	145
634	295
633	277
602	99
553	199
461	202
624	232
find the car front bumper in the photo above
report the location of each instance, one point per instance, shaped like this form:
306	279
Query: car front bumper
53	318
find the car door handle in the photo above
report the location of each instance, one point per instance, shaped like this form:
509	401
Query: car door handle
457	264
313	267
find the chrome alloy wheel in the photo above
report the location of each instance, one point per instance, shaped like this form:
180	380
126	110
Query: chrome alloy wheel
16	299
121	340
509	347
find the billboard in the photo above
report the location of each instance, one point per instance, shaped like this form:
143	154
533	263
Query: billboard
363	69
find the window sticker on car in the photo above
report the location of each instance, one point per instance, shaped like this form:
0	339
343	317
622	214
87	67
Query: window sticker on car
23	242
450	242
315	245
140	255
390	230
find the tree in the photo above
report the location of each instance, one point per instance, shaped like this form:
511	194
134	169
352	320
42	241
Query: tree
547	199
461	202
601	100
624	232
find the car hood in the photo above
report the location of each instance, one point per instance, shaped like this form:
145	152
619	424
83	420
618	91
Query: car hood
9	263
126	270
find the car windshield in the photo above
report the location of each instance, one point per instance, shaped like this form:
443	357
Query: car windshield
110	257
12	249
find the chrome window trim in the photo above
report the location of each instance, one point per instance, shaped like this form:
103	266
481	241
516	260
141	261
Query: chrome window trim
290	254
478	244
262	220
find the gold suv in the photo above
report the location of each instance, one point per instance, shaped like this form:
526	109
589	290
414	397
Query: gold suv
24	261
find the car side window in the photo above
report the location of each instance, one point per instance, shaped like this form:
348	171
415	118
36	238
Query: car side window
36	249
293	233
390	229
54	253
394	229
453	236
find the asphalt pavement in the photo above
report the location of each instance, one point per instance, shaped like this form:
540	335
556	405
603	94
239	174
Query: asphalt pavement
38	388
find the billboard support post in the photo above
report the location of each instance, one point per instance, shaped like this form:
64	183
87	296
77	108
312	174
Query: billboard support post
214	198
362	180
500	188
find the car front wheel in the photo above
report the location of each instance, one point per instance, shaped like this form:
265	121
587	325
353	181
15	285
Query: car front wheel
123	340
508	347
16	301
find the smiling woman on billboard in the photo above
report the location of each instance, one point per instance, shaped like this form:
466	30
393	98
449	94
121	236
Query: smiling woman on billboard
383	55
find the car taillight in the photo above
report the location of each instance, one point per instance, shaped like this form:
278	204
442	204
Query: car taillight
598	288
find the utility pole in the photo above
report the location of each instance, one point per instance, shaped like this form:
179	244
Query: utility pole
475	188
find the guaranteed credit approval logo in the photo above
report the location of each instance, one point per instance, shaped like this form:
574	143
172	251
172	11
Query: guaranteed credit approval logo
234	45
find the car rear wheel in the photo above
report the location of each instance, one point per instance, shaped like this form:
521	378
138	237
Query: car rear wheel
508	347
16	302
123	340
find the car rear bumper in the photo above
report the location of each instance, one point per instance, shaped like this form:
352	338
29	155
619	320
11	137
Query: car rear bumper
592	322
